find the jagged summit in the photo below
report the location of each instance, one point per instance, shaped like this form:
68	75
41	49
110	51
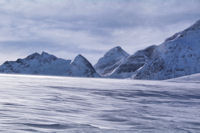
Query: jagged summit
110	61
43	55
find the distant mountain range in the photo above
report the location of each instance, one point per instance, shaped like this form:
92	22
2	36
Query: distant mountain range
46	64
177	56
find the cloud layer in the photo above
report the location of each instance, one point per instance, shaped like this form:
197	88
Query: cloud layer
90	27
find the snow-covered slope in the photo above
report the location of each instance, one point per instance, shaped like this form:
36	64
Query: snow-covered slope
46	64
111	60
132	63
194	78
178	56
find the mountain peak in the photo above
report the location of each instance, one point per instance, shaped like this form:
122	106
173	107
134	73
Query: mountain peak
32	56
44	53
79	58
42	56
116	50
81	66
110	60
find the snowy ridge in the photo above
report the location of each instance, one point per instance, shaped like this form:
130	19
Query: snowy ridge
110	61
178	56
47	64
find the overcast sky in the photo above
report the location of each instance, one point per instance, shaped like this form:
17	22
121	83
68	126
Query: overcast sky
66	28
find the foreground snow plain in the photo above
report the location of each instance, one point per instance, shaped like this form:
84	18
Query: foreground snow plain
49	104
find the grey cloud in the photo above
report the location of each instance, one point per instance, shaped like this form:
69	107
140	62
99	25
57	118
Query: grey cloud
89	26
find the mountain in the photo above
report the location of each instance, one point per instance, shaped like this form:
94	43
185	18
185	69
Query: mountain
81	67
179	55
37	64
110	61
132	63
47	64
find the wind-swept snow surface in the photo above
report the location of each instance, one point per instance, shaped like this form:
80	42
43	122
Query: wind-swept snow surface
47	104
